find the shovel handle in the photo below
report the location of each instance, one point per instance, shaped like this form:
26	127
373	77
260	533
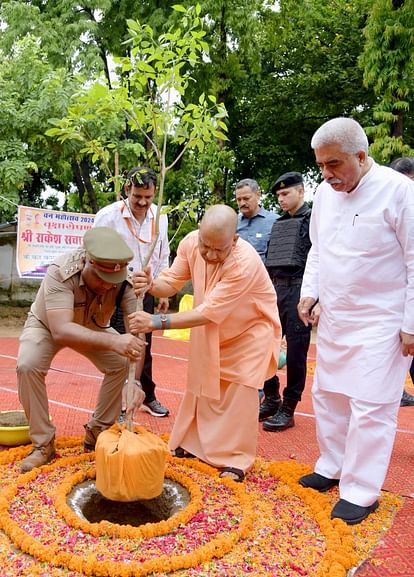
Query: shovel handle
132	371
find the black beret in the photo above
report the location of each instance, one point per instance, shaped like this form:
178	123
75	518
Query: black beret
287	180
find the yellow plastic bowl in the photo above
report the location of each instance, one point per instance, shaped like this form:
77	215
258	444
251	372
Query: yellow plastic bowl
12	436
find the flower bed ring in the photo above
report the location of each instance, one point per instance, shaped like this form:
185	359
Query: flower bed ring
239	529
77	500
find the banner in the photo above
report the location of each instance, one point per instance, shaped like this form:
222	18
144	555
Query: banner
42	235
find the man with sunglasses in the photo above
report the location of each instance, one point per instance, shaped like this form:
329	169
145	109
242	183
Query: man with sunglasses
134	219
73	308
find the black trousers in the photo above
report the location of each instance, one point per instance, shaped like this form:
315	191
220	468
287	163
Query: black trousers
117	322
298	340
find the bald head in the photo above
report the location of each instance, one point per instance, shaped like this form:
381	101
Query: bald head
217	234
220	219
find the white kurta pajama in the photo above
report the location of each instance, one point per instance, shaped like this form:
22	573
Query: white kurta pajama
361	267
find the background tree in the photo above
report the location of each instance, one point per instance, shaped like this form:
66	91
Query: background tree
280	71
309	74
76	39
388	63
68	31
64	39
150	98
31	90
233	32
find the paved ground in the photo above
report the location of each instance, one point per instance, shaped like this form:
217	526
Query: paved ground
73	385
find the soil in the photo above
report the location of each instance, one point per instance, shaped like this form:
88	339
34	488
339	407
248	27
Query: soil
12	319
13	419
86	501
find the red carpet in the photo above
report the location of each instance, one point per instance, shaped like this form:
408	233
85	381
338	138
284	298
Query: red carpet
74	383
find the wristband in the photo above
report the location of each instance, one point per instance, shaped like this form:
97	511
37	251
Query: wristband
161	322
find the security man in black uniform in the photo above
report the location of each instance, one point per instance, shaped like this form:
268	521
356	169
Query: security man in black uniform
286	258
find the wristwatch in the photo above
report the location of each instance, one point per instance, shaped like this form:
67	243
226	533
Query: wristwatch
165	321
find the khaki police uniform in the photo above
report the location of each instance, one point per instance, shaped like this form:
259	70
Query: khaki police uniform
64	288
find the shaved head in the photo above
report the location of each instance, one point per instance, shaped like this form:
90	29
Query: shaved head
217	234
219	219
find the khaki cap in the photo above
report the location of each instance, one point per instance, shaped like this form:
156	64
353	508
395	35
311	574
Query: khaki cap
108	253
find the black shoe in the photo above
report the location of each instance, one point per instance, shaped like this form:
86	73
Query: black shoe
407	400
318	482
350	513
283	419
279	422
181	453
269	407
155	408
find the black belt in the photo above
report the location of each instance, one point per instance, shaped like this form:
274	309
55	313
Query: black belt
287	281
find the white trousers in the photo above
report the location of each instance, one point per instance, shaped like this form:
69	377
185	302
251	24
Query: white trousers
355	441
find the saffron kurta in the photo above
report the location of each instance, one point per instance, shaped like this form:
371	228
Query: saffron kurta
230	357
361	267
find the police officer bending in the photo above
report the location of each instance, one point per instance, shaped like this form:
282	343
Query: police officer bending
286	258
73	308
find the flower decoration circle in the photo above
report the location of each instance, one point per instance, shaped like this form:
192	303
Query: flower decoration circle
267	526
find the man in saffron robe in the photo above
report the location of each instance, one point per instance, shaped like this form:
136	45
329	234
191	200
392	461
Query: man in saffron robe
234	344
361	268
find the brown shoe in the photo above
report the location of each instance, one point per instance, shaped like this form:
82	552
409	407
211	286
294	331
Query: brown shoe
91	436
38	456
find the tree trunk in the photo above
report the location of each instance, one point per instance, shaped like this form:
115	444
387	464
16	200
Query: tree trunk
397	127
77	177
100	45
219	189
85	169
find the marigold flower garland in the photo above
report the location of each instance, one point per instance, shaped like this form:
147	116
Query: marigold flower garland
267	526
113	529
340	555
91	565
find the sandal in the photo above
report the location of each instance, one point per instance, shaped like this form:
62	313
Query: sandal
181	453
233	474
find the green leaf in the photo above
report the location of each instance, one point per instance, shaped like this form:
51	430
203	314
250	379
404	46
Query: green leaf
134	25
178	8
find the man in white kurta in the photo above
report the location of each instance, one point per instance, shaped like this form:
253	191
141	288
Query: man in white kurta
361	268
134	219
